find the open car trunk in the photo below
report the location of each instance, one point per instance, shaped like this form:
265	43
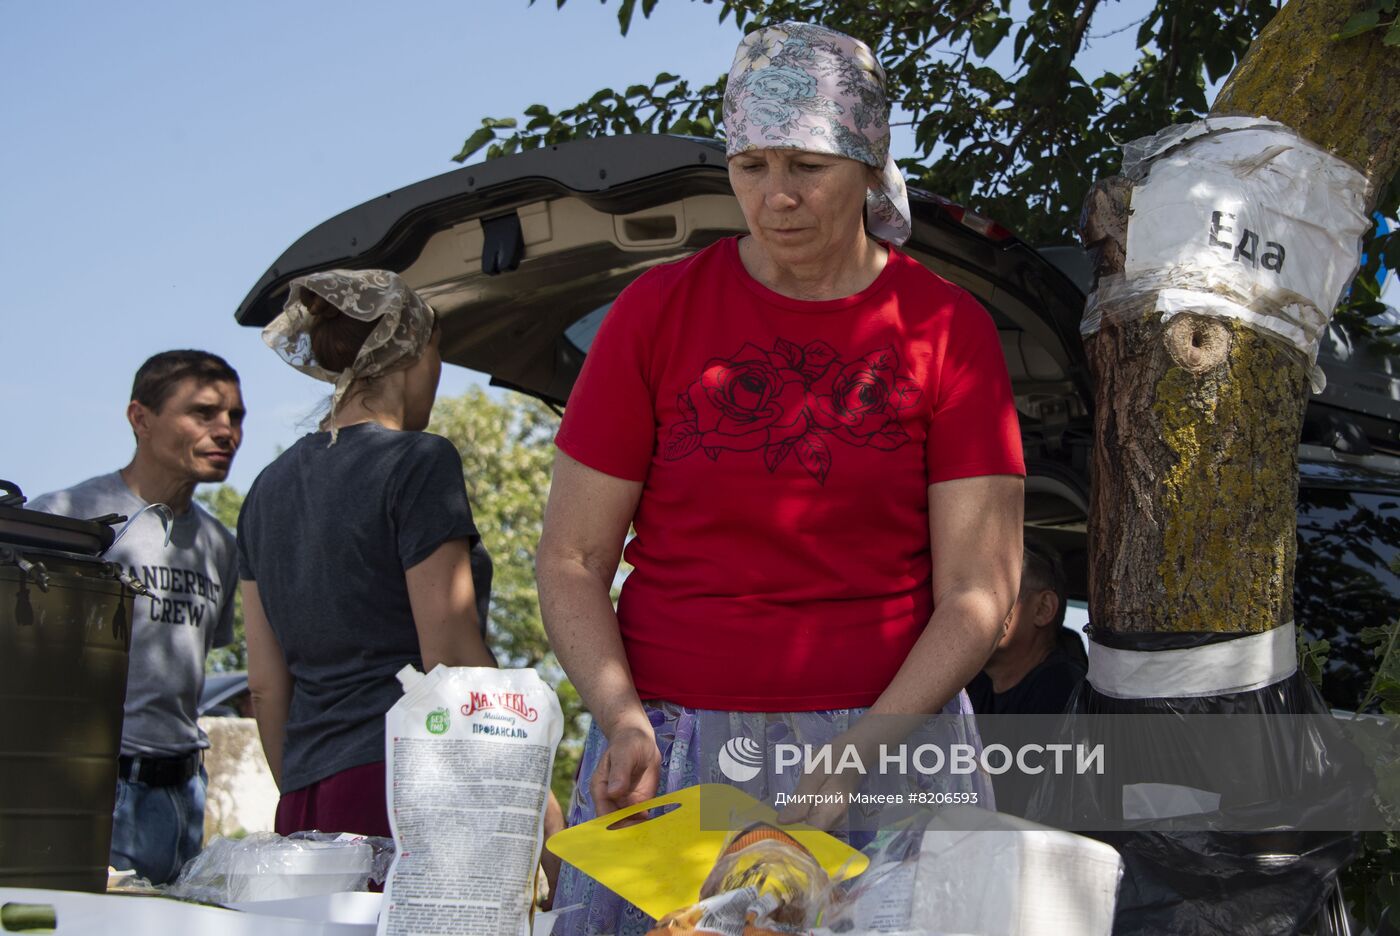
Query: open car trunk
522	257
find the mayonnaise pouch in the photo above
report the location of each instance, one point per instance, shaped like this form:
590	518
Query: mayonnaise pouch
469	753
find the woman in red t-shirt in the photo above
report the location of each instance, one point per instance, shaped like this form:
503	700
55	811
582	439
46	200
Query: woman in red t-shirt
815	441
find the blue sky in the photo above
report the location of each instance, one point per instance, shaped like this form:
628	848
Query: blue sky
160	155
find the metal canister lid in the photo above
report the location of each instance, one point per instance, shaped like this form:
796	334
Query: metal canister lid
34	528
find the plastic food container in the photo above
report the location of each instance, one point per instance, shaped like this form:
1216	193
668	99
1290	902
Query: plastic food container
299	869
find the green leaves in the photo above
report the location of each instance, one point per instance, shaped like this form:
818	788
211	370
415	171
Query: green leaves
1219	62
625	10
667	105
475	142
484	135
1372	882
1023	35
1384	642
991	29
1364	302
1371	19
624	14
1010	111
505	444
1359	24
1312	658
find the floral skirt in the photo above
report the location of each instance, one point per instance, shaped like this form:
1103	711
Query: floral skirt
690	741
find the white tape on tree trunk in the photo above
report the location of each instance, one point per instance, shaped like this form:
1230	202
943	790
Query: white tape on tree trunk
1240	665
1238	218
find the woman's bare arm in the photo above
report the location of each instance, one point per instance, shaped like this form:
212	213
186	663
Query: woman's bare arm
975	525
269	680
586	522
443	599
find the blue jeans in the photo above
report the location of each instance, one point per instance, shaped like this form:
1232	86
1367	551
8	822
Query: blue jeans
156	829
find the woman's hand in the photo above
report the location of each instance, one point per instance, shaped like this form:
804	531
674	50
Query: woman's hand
822	797
629	772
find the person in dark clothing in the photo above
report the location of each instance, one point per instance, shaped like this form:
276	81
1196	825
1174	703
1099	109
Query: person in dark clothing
358	552
1034	670
1039	662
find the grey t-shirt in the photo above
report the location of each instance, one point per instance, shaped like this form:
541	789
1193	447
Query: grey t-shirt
190	610
327	532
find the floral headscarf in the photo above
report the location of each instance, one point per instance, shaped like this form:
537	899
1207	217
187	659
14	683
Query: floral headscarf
404	325
799	86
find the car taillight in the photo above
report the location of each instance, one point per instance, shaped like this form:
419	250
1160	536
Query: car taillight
971	219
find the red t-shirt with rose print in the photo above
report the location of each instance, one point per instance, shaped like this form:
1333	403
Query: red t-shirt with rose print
781	556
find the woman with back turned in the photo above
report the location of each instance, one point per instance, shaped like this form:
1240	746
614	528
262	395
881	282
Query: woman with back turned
357	550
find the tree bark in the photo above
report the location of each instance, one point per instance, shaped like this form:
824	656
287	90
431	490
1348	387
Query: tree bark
1340	95
1193	505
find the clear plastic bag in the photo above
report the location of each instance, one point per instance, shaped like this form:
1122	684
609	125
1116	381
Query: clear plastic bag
962	869
764	882
881	899
266	866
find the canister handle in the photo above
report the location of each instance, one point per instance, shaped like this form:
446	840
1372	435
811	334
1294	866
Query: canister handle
10	494
167	520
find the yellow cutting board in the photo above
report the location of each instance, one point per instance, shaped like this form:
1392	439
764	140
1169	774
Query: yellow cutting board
659	864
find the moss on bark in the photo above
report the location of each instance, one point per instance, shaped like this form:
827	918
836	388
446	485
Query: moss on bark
1195	475
1226	496
1341	95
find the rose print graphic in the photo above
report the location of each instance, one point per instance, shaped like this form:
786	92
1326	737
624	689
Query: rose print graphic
781	83
742	404
773	114
792	400
865	399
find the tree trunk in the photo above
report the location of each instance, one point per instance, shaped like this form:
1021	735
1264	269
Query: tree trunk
1192	516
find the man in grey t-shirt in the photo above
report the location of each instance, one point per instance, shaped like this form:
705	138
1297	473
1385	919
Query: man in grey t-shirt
186	412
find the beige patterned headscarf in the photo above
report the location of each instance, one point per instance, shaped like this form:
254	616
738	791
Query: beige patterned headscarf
404	325
807	87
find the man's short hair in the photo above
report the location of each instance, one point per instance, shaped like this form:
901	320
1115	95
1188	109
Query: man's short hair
157	378
1042	570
